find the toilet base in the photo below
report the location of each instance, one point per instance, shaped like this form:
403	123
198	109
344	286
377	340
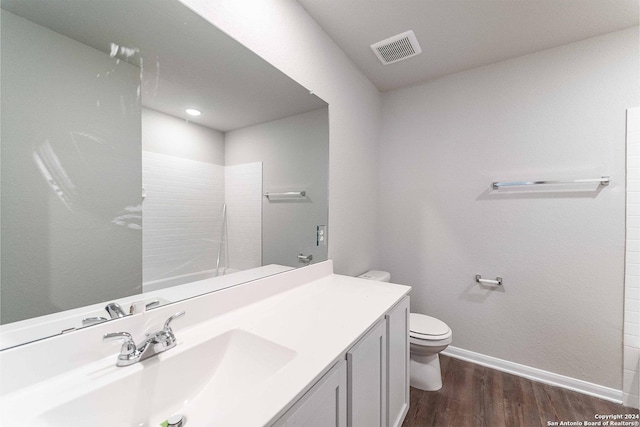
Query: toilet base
425	372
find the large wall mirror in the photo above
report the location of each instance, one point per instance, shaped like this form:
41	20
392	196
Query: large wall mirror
112	192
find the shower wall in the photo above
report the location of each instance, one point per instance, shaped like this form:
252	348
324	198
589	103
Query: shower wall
242	248
182	216
183	179
190	171
186	185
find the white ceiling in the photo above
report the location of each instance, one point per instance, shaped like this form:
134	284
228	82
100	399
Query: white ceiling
187	62
457	35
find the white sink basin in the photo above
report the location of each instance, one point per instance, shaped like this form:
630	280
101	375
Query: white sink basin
203	382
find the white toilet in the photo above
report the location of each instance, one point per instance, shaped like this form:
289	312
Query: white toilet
428	336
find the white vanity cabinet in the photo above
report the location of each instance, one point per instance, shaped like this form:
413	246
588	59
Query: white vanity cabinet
397	322
325	405
367	379
378	372
369	387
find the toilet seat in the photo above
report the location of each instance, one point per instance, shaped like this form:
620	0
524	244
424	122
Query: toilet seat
423	327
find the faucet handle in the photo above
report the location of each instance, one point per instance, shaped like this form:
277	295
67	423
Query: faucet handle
167	324
93	320
152	303
129	345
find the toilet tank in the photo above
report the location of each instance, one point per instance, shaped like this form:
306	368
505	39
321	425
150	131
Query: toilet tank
380	276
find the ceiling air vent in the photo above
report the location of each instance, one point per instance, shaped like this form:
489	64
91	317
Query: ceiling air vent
397	48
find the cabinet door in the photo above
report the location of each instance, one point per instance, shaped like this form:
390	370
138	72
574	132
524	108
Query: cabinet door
398	363
367	379
325	405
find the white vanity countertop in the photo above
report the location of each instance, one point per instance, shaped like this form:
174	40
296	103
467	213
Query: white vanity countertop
320	321
318	318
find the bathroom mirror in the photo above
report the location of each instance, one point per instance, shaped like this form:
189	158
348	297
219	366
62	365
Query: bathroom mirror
111	191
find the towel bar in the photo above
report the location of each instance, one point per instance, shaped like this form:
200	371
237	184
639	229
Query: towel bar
497	282
602	180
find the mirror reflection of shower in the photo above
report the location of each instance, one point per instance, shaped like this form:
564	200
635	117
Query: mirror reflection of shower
201	218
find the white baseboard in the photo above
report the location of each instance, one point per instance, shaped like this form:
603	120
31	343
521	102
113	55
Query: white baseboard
631	400
536	374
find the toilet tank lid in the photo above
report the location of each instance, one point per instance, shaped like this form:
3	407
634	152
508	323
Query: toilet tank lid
380	276
427	325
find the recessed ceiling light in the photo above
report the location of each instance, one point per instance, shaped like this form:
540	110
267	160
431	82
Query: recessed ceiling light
193	112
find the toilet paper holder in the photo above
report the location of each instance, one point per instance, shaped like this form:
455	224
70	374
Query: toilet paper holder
497	282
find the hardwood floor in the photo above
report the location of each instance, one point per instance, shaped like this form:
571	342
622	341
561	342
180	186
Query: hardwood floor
475	396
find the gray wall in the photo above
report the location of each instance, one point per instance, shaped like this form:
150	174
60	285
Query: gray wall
77	241
555	114
295	155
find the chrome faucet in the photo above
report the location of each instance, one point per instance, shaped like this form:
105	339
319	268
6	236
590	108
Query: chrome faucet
115	310
155	343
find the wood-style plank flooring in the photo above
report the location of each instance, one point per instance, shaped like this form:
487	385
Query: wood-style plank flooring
475	396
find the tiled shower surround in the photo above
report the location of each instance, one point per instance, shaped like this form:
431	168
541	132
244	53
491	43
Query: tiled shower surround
183	222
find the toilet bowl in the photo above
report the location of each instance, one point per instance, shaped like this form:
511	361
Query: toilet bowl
428	336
